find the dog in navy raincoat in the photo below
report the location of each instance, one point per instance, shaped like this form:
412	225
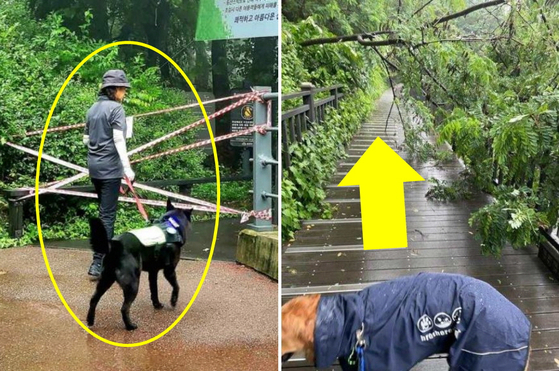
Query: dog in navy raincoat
401	322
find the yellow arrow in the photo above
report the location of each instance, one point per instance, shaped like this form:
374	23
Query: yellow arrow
380	174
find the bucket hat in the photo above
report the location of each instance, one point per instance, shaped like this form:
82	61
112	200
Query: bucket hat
115	78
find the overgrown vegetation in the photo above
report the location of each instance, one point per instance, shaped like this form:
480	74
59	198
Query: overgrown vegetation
358	70
42	41
446	191
492	95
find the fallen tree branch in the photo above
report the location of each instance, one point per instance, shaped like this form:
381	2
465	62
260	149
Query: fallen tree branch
467	39
549	30
423	7
465	12
337	39
387	61
361	41
431	75
397	41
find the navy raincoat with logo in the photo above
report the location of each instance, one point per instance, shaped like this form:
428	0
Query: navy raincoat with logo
411	318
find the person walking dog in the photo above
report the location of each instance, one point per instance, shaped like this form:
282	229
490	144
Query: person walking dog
107	156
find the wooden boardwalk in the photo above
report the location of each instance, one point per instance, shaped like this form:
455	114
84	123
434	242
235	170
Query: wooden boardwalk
327	256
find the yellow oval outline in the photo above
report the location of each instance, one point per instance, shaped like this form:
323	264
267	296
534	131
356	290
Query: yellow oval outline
127	345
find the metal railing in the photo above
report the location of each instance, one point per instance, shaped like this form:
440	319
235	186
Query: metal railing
296	121
265	183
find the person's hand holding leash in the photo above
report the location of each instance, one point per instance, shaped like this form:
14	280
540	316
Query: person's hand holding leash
130	174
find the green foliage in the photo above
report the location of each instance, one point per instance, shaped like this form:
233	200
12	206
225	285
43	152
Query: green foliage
346	64
342	17
512	218
35	59
314	159
496	103
445	191
235	194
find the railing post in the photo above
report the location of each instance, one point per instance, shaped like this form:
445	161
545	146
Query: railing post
309	99
262	169
185	189
15	216
334	92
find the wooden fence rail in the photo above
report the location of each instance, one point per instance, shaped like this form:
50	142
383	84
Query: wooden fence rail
298	120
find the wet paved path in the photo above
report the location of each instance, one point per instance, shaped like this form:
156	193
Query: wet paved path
231	326
327	256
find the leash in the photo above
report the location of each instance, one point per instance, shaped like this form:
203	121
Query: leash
357	354
138	202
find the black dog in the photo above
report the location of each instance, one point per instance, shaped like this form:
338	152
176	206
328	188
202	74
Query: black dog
149	249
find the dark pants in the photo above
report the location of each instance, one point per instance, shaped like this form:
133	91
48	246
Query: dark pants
107	191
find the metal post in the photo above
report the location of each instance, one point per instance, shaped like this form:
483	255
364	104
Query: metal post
262	169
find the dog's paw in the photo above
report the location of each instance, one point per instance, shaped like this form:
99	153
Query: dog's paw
174	301
131	326
157	305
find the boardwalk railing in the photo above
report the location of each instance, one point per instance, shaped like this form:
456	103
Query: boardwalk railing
549	249
300	119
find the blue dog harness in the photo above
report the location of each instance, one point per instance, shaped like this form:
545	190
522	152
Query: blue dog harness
396	324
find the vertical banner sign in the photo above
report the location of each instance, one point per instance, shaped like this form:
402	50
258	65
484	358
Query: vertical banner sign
237	19
241	119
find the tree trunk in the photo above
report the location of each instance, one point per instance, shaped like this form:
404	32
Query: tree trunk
220	73
156	28
99	28
264	61
201	79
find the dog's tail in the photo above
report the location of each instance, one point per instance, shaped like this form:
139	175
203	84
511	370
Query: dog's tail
98	238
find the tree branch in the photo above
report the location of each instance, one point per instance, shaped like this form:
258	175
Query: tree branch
466	39
549	31
465	12
337	39
361	41
423	7
388	62
397	41
430	74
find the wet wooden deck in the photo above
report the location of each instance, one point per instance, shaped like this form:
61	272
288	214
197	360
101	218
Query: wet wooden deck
327	256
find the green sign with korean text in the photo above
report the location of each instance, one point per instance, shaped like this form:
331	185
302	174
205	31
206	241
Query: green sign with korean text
236	19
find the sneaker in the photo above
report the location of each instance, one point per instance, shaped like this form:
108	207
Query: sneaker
95	268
